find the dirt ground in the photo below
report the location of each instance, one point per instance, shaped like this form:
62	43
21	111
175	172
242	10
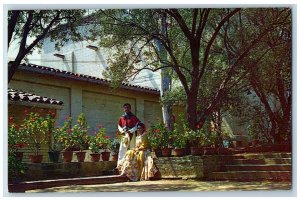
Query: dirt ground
172	185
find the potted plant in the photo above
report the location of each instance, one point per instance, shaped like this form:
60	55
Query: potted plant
16	141
35	128
209	139
80	137
54	153
16	169
195	139
54	147
106	146
101	142
115	147
155	135
63	136
179	140
166	143
95	149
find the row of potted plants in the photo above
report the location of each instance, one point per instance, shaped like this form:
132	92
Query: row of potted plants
182	140
37	130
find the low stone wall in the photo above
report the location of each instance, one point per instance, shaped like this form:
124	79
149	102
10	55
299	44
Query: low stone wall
186	167
67	170
180	167
211	163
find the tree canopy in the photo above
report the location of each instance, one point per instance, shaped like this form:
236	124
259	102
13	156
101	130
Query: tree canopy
210	51
23	25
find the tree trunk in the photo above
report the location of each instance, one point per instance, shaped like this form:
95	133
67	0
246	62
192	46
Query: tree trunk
12	68
219	128
167	106
192	110
165	80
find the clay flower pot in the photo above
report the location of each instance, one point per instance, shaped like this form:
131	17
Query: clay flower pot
157	152
196	151
224	151
105	155
179	151
95	157
166	152
80	156
210	150
67	156
36	158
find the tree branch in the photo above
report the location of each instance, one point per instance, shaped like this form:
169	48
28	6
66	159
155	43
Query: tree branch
195	14
11	25
212	39
26	29
174	13
202	23
43	34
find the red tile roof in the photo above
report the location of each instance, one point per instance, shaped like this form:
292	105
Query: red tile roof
81	77
18	95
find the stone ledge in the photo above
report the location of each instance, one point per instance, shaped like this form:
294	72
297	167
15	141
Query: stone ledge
186	167
67	170
30	185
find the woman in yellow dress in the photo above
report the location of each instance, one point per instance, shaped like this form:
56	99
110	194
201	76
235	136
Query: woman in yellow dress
138	163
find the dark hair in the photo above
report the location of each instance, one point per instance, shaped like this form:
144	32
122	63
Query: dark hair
127	104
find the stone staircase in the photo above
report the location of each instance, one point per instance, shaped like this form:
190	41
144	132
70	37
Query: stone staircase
47	175
41	184
254	167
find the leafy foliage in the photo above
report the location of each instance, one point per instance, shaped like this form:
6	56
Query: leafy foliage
15	142
179	137
36	130
80	132
210	51
159	136
23	25
63	135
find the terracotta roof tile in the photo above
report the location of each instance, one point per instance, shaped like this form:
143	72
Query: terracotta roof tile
81	77
17	95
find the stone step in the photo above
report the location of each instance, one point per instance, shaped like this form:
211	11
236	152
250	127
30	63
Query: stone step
256	156
266	155
30	185
256	167
268	161
251	176
110	172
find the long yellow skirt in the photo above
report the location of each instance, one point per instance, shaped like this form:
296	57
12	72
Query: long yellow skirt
137	165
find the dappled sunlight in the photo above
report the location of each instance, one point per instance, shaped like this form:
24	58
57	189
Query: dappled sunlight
171	185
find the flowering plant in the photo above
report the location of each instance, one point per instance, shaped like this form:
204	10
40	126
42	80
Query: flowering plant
116	142
93	145
16	140
63	135
100	141
36	130
80	132
75	137
195	137
159	136
179	136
